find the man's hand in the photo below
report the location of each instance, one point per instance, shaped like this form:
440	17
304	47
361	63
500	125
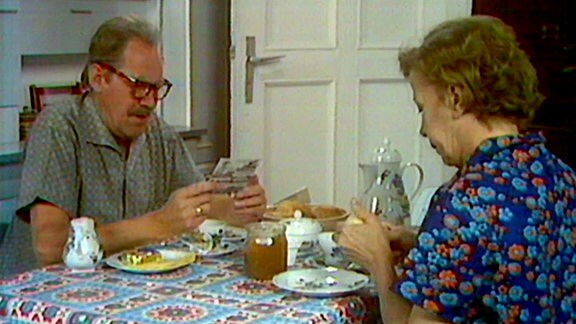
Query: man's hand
250	203
186	208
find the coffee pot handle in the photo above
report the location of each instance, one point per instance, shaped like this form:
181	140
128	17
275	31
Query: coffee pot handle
420	177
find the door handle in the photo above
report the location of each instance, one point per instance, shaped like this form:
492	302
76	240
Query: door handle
264	60
252	61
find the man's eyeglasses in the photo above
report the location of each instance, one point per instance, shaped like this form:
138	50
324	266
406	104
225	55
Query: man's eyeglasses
140	88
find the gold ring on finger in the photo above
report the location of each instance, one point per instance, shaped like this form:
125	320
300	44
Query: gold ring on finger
199	211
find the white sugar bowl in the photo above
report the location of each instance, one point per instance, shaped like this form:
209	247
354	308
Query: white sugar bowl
300	232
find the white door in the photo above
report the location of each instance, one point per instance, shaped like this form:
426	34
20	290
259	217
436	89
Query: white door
335	94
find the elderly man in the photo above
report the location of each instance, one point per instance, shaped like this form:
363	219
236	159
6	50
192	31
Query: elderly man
108	156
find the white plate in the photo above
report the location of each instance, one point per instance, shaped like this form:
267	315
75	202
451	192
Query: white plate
172	259
324	282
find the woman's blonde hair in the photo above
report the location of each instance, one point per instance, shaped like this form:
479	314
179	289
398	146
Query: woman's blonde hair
481	55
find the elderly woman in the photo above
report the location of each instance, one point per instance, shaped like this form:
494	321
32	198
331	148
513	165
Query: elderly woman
498	241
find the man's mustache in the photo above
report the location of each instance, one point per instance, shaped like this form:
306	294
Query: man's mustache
143	111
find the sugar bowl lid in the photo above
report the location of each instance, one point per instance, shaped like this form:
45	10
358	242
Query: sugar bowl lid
301	225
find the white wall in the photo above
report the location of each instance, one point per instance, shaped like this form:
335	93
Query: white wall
175	24
195	36
66	68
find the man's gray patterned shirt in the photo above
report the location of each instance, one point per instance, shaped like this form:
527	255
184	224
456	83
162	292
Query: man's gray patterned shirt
73	161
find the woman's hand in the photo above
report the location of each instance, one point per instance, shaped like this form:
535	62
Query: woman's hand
402	240
366	244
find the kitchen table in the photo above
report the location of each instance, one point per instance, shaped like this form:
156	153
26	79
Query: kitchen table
212	290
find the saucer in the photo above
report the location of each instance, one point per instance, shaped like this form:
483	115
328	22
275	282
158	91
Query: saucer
323	282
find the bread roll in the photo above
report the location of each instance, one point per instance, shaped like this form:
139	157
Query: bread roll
327	211
290	206
353	220
273	212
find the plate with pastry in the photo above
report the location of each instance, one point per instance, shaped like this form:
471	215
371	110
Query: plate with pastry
147	260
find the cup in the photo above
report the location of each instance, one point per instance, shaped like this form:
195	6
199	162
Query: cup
333	254
266	250
213	227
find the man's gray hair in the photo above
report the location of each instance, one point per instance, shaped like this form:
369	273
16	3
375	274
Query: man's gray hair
109	42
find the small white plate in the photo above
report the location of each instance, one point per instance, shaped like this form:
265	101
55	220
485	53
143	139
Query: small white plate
234	234
172	259
222	231
220	249
219	246
324	282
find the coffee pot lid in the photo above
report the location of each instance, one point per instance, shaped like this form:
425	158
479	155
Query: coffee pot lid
386	153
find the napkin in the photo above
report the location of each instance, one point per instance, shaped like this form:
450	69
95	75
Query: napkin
301	195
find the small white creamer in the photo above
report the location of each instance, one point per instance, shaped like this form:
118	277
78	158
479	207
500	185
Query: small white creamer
82	250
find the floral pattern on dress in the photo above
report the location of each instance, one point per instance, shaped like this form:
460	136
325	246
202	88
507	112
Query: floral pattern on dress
498	243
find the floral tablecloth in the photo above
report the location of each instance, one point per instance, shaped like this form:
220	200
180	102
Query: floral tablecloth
210	291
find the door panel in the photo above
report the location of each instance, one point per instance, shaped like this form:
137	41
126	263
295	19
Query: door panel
300	24
383	110
305	111
377	17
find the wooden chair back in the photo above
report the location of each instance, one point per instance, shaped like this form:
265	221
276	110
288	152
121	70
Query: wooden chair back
43	96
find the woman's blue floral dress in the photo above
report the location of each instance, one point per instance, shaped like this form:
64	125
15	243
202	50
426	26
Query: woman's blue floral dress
498	242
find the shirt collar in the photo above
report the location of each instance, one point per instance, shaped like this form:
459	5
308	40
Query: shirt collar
95	131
